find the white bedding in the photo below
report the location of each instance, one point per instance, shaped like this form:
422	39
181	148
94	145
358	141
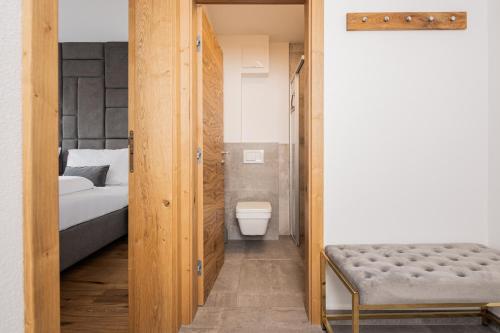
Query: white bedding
72	184
85	205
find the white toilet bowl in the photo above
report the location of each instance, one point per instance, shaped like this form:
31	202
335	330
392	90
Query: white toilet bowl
253	217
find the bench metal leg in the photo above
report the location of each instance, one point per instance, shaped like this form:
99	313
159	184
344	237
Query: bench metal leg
484	316
355	313
325	324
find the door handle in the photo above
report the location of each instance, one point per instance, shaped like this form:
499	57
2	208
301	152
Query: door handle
224	154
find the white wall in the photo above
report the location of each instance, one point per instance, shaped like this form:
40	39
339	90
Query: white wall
255	107
406	156
93	20
494	131
406	139
11	241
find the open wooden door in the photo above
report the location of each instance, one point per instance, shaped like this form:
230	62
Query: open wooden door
211	161
153	179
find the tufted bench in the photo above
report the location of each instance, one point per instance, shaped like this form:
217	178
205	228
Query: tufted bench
409	277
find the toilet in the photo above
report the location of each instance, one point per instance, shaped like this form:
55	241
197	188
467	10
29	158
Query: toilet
253	217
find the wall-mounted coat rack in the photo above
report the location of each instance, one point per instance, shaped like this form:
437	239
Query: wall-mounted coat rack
407	21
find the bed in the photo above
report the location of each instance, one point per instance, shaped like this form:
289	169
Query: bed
89	218
93	119
414	281
93	202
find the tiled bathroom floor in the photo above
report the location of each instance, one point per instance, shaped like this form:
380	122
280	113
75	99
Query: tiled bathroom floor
260	290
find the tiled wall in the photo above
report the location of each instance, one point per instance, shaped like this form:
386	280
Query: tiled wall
284	189
257	182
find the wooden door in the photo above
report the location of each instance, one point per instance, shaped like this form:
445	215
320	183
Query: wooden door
153	179
211	166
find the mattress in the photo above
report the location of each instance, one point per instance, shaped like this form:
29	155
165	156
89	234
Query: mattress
82	206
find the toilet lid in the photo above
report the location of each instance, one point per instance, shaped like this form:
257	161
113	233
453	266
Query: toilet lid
254	207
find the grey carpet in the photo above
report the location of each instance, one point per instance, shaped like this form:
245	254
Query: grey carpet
417	329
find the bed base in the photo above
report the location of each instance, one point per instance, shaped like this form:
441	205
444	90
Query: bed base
395	311
81	240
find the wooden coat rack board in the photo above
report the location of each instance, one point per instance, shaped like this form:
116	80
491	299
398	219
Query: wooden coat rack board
407	21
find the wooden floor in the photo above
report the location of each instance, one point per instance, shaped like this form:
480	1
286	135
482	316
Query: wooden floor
94	292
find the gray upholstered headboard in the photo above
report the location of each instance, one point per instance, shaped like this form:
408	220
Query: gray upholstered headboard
93	96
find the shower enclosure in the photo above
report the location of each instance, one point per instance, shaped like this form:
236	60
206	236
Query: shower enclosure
294	154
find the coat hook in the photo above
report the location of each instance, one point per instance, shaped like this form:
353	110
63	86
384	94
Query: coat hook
431	19
409	19
453	18
365	19
387	19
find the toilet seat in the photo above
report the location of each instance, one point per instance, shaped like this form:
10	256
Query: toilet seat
253	217
253	207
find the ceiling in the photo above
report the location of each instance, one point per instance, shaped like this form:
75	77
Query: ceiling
283	23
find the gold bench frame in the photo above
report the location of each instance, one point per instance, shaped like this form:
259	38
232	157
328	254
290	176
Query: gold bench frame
395	311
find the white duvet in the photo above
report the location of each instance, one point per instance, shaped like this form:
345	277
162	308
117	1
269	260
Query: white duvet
80	203
72	184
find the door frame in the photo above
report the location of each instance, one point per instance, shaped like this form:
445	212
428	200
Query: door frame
314	24
40	127
40	108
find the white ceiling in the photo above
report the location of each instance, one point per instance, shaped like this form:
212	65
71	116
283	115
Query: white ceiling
283	23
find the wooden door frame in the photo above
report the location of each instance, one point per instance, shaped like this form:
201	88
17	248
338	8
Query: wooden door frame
40	107
314	18
40	128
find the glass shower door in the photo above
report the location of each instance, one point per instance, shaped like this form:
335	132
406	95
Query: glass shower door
294	160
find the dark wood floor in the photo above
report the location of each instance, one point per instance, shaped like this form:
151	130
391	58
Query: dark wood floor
94	292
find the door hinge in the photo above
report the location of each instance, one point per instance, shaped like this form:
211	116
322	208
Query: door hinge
198	43
199	267
131	151
199	154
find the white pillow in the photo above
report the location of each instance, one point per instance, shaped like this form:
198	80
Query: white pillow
117	159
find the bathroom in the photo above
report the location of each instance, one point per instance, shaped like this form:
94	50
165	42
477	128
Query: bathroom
261	76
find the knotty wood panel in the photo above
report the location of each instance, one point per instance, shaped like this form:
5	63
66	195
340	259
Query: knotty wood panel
407	21
212	140
314	142
154	267
40	166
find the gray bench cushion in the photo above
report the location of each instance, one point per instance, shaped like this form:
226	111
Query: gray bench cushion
414	274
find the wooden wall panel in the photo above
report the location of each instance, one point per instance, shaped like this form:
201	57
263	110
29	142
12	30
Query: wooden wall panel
212	136
153	201
40	166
